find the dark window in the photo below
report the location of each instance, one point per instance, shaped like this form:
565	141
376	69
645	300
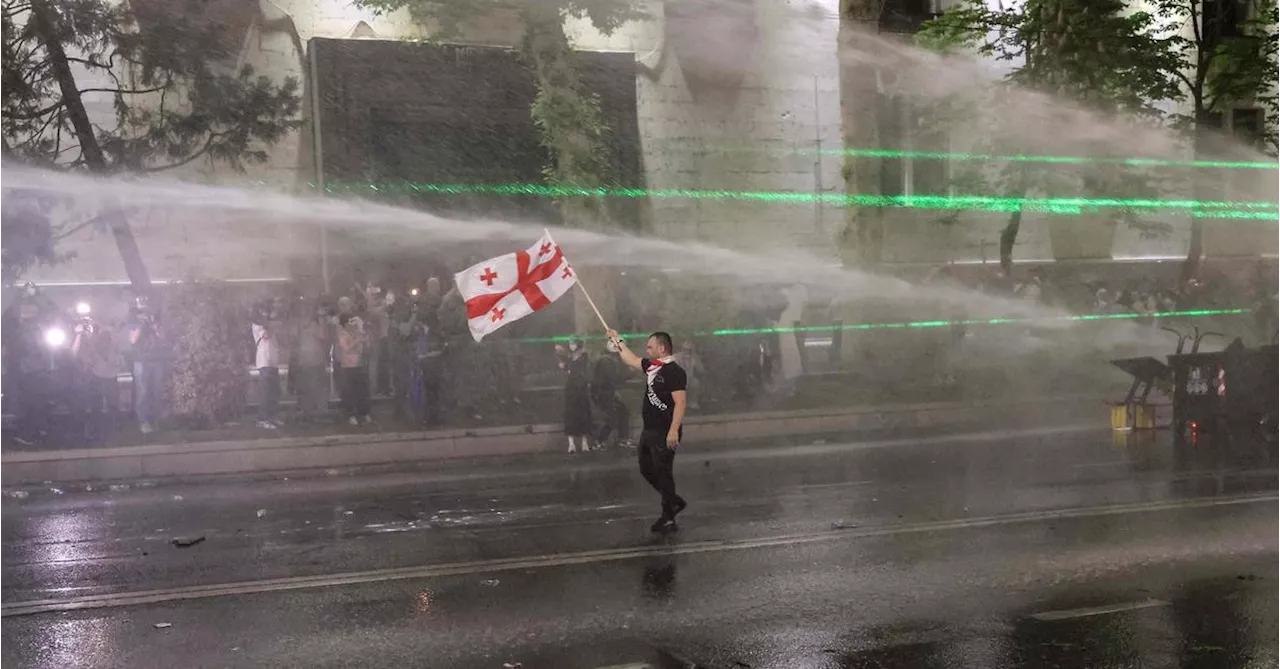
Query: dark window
1246	125
1223	19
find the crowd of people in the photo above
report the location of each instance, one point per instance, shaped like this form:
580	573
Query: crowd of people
410	350
366	342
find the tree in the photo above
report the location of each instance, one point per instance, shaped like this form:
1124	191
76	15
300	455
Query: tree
28	236
1230	58
568	118
168	68
1096	54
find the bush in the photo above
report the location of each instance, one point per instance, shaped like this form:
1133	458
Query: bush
209	331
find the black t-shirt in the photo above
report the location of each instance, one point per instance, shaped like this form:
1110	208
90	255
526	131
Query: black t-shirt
658	407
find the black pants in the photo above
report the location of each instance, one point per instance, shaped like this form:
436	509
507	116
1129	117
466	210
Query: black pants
31	394
657	467
353	388
269	398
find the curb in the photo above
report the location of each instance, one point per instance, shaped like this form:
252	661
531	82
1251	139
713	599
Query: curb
265	455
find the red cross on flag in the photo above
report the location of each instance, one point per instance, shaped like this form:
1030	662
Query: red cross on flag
507	288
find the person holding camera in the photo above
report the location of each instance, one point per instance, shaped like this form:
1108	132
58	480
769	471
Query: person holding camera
149	351
95	373
309	364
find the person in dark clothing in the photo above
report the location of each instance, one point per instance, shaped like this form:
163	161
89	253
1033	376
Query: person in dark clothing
27	375
662	411
425	370
150	354
309	364
577	393
614	417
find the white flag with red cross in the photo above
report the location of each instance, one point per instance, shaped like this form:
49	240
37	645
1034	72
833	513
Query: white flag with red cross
507	288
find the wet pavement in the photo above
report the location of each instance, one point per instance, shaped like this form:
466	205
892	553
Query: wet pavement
1052	548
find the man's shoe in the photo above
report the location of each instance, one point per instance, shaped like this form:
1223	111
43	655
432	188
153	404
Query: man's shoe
663	524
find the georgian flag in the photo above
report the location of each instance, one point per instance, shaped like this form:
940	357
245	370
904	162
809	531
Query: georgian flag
507	288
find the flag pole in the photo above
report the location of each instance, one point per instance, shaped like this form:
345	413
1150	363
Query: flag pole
583	289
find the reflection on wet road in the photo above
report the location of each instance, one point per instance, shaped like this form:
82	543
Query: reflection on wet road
1031	550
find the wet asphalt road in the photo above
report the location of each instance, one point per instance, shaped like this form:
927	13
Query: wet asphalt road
1035	549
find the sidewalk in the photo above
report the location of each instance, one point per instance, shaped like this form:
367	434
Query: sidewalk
328	451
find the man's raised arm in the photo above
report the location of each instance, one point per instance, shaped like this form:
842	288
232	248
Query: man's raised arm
628	358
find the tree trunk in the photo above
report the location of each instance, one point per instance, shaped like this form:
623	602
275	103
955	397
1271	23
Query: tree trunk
1007	238
1195	247
861	239
44	21
575	152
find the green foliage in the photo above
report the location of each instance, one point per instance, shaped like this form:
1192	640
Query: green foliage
568	118
1096	54
209	331
28	236
450	18
174	90
1089	51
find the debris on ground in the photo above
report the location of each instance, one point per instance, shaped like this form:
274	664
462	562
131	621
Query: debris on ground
17	494
177	498
119	487
511	665
842	525
262	513
184	542
489	582
161	626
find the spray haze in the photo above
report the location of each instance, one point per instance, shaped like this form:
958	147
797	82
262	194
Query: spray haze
982	109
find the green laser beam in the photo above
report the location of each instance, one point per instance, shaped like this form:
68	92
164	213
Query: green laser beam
908	325
1053	205
1064	160
1014	158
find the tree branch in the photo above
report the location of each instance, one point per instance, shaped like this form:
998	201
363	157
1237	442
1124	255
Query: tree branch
15	10
1185	79
213	137
31	115
35	136
90	62
125	91
1195	25
80	226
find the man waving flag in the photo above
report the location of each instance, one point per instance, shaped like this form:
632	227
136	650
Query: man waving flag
507	288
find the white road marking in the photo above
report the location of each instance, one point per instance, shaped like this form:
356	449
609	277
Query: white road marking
598	556
1071	614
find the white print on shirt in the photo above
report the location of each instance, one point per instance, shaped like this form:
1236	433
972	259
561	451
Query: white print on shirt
650	375
653	399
